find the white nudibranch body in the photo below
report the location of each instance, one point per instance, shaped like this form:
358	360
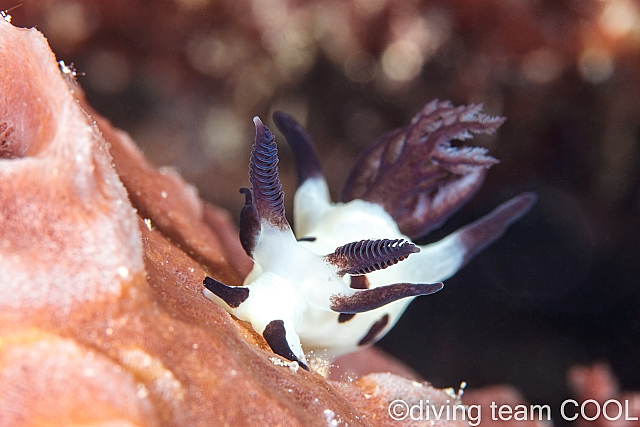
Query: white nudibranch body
350	270
341	223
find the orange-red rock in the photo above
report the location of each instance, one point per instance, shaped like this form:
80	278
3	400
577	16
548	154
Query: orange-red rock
102	317
387	400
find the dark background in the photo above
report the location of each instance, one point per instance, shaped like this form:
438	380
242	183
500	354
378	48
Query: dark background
185	77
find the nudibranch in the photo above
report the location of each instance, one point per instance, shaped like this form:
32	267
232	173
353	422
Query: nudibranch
349	271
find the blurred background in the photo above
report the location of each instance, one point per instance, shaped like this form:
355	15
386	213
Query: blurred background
185	77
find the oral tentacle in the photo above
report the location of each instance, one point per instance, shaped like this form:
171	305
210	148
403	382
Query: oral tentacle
233	296
369	299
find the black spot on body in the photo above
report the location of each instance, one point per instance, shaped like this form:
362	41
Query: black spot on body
359	282
307	239
375	330
345	317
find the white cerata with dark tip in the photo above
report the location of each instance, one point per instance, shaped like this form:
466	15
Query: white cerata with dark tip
341	281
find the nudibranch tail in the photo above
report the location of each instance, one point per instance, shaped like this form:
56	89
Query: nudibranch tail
477	235
275	335
307	163
233	296
249	223
359	301
267	190
366	256
415	173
